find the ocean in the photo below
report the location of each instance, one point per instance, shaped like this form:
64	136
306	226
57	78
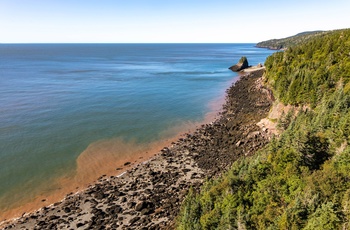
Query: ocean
69	109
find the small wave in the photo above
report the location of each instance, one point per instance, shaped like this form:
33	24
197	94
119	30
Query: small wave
189	72
63	72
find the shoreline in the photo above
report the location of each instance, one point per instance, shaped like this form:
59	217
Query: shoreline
119	166
149	194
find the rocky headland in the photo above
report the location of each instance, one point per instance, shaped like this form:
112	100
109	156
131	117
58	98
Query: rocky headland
149	195
284	43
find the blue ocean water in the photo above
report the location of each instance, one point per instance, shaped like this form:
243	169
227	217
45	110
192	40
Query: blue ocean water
57	99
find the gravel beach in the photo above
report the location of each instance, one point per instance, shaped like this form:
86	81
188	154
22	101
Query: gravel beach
149	195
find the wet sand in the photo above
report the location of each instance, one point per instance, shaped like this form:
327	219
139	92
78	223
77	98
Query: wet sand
148	195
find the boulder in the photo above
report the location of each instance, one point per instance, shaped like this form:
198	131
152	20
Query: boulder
141	205
144	207
241	65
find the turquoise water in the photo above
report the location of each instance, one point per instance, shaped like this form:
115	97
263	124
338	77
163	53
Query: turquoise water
57	99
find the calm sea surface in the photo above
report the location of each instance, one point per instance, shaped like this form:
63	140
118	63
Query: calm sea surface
57	99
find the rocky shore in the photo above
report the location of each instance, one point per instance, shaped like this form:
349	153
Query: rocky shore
149	195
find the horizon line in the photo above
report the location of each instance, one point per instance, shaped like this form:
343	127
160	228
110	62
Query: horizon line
9	43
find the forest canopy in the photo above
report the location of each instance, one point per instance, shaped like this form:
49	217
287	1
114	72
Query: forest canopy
301	179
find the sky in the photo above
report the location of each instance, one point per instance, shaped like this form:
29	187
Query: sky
165	21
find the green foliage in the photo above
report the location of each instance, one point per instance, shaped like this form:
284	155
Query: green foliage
289	41
190	213
302	179
285	120
324	218
243	59
303	74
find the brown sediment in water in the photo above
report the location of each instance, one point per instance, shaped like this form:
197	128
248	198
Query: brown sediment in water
149	195
106	158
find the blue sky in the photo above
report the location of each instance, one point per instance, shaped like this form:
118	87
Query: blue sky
113	21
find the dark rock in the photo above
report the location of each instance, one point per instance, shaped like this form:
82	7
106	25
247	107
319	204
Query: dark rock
119	193
145	220
41	223
147	211
99	195
145	207
133	220
53	217
141	205
34	217
241	65
130	204
51	226
80	225
94	202
66	209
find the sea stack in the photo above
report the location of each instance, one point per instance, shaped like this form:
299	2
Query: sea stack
241	65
